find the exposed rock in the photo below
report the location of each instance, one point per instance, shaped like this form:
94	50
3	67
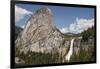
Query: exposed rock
40	35
18	60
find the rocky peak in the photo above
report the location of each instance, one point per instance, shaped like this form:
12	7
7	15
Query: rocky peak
39	34
44	10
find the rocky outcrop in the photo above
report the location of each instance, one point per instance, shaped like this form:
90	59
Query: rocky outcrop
40	35
18	60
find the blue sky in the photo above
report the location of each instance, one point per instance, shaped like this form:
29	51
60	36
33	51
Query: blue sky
62	16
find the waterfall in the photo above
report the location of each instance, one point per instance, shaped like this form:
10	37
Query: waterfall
70	52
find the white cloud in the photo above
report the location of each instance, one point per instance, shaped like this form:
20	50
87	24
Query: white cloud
23	26
79	26
64	30
20	13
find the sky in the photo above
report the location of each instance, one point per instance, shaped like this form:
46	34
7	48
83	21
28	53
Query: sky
66	19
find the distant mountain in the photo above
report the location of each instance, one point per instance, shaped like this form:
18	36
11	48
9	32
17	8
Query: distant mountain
18	30
68	35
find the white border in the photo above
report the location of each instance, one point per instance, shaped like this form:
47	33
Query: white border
5	34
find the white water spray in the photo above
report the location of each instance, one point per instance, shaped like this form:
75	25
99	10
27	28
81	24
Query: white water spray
70	52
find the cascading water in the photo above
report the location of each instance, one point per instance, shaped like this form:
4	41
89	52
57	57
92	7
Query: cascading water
70	52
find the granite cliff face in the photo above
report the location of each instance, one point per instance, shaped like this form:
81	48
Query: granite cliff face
40	34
